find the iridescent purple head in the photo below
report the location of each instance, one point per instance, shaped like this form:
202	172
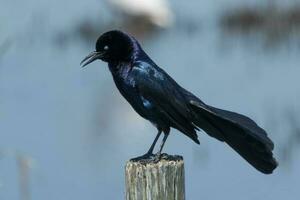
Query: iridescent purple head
112	46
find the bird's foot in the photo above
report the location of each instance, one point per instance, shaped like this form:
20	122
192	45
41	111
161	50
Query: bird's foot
148	157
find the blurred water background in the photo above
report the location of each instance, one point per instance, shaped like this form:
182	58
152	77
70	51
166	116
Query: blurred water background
66	132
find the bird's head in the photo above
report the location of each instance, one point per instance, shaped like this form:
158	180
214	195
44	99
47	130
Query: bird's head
111	46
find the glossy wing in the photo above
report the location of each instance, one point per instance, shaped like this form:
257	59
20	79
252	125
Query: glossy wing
161	91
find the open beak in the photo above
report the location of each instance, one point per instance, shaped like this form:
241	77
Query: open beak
90	58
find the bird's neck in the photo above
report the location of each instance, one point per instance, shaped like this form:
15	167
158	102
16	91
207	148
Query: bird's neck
120	69
136	55
117	67
123	67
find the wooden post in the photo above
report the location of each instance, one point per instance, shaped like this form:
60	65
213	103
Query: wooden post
163	180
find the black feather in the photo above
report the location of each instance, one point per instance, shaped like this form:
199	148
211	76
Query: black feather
158	98
239	132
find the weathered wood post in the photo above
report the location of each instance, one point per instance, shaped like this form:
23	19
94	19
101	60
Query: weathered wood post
163	180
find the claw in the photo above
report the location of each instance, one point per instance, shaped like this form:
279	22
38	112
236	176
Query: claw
148	157
157	157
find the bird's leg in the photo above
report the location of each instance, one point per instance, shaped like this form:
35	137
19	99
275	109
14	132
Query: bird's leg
149	155
158	154
150	151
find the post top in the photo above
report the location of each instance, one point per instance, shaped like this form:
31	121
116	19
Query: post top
165	158
155	179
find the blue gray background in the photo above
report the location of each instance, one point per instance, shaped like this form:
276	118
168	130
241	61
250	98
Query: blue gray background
66	132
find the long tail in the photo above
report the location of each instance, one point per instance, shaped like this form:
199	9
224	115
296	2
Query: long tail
239	132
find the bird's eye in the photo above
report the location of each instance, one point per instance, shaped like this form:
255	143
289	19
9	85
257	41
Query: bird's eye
105	47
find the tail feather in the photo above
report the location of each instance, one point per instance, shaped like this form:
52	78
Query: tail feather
239	132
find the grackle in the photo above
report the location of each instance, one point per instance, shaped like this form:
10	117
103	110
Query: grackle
160	99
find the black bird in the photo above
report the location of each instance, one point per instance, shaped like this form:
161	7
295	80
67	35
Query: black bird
158	98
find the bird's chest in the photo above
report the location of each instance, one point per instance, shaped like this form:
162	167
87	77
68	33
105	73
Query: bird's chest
124	81
126	84
127	81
